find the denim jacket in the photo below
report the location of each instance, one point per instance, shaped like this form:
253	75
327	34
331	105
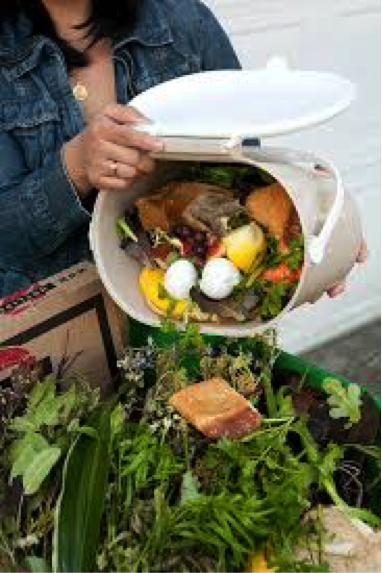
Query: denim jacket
43	225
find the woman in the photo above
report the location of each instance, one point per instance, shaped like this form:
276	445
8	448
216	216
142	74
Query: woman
67	71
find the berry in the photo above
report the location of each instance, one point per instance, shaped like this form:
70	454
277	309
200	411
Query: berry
200	237
216	249
200	250
182	231
187	248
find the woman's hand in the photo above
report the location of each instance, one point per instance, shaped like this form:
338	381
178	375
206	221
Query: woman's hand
340	288
109	154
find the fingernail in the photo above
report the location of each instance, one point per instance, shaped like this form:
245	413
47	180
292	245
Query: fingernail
158	145
145	120
337	291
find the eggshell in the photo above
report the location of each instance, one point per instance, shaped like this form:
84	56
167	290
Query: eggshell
179	279
219	278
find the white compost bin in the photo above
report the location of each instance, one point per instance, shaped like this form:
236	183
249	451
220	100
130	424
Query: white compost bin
209	117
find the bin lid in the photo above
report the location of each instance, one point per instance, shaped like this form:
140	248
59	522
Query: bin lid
266	102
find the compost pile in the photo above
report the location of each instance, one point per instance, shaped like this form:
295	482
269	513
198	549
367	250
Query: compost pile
219	243
156	479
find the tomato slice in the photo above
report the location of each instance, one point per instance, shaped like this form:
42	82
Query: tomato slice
281	273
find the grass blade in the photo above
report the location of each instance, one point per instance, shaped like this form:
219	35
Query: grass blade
80	506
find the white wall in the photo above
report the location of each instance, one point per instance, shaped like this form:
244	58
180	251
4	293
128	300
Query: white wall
342	36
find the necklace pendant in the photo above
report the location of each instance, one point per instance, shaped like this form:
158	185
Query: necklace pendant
80	92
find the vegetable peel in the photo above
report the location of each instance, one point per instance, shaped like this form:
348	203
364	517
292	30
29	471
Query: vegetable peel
258	564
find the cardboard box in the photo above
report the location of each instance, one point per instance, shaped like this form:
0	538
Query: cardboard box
67	319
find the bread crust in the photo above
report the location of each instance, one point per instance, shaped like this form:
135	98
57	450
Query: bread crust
272	208
216	409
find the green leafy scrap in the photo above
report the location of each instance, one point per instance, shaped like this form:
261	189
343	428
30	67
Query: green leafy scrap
45	408
82	497
274	298
344	401
216	175
239	219
33	460
190	488
234	176
174	501
293	257
43	432
124	230
39	468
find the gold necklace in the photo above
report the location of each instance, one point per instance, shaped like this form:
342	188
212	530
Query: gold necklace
80	92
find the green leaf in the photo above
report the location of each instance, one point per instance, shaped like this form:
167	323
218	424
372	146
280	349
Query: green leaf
69	401
23	425
24	453
33	441
284	403
190	488
295	256
91	432
39	469
274	296
344	402
44	408
44	390
124	230
117	419
81	502
36	565
48	411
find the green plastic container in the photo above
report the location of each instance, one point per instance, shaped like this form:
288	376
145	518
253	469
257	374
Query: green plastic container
315	376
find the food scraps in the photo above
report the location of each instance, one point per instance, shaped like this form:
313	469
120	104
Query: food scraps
348	545
226	239
272	208
216	409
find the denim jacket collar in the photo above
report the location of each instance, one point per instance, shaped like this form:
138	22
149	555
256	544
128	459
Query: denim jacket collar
19	49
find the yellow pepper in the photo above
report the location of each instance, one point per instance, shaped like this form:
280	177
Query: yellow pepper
150	281
258	564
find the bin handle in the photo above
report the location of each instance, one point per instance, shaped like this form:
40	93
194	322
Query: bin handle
318	243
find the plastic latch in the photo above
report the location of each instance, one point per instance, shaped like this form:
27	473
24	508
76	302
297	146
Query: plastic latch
234	146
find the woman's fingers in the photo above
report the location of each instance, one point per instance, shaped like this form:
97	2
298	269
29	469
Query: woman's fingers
106	130
114	183
110	153
363	253
146	164
124	114
124	155
126	136
121	128
340	288
337	289
125	171
124	159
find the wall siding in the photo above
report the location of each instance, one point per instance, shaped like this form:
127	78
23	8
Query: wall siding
343	37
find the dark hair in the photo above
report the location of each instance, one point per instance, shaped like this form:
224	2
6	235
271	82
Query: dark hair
108	19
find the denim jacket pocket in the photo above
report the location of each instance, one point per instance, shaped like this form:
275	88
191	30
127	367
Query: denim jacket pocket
33	125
